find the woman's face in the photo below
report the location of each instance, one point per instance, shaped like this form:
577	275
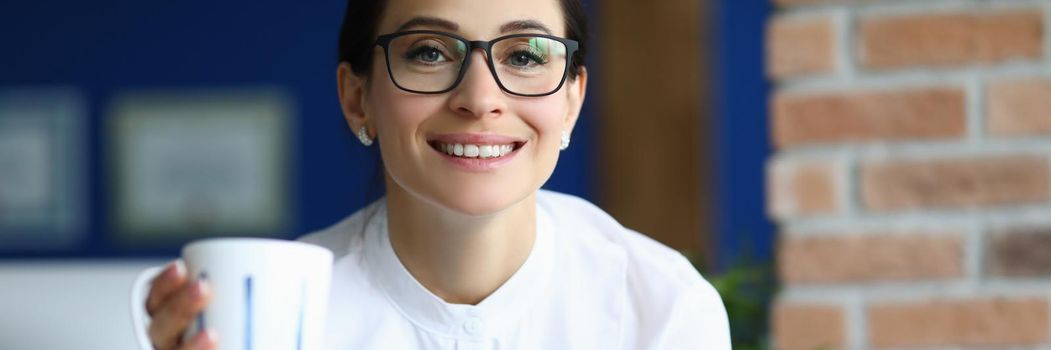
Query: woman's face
414	129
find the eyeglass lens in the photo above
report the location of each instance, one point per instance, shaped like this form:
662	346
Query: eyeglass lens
428	62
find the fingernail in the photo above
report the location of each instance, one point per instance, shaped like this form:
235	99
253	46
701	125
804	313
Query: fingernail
169	270
199	288
205	339
180	270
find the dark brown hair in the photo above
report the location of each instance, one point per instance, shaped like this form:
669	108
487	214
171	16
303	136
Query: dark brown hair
360	22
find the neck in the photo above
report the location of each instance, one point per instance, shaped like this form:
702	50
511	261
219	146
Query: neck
461	259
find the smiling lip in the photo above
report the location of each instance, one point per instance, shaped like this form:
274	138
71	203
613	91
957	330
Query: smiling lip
476	164
476	139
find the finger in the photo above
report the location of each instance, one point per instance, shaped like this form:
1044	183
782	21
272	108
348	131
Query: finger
203	340
177	313
165	285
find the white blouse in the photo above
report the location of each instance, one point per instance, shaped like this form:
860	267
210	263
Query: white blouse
588	283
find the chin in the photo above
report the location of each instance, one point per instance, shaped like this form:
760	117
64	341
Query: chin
479	202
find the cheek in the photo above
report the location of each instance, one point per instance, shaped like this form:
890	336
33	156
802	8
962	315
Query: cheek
398	117
546	115
398	114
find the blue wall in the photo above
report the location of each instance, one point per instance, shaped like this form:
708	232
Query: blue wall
110	46
740	130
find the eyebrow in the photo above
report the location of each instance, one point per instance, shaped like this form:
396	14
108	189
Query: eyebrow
521	26
513	26
429	22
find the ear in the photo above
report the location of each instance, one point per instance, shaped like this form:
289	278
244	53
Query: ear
352	98
576	89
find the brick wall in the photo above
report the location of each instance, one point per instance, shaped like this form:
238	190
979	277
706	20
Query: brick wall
911	179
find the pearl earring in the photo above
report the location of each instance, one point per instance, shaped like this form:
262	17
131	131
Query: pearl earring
363	136
565	141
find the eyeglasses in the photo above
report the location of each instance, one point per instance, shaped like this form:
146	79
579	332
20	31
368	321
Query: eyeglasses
431	62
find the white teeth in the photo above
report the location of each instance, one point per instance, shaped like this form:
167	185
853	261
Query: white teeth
475	151
470	151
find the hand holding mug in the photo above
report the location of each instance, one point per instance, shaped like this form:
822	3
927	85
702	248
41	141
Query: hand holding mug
173	302
235	293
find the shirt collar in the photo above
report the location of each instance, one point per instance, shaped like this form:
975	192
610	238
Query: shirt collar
496	312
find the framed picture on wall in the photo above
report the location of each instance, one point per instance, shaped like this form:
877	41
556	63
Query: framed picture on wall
42	175
193	164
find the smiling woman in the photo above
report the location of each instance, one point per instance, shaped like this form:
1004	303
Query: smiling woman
469	103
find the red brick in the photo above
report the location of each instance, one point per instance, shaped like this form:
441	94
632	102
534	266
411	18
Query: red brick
804	188
800	46
808	327
1019	253
977	322
954	183
950	39
1019	107
883	257
906	114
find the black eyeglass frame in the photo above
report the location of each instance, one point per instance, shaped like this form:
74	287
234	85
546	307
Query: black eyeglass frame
384	42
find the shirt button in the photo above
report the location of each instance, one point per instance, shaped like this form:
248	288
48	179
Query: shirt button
473	326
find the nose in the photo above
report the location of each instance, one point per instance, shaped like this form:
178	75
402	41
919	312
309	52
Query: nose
478	94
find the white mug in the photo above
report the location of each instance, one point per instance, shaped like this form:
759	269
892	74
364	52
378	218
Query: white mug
267	294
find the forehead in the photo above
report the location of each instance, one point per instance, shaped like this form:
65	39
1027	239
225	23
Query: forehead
475	19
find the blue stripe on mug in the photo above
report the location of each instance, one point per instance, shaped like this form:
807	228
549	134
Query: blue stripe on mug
248	313
203	276
302	307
